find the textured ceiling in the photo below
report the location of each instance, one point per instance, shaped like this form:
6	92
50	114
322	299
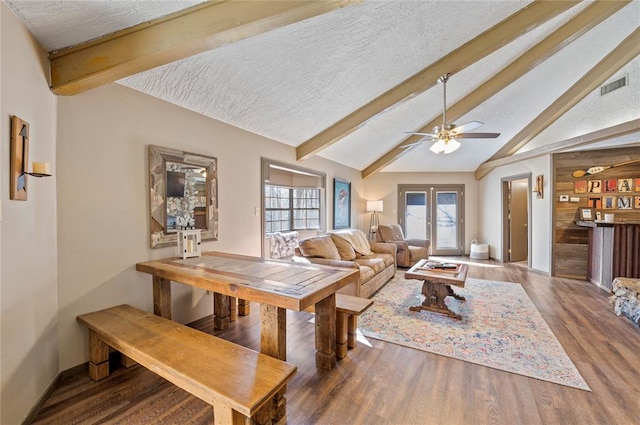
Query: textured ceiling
291	83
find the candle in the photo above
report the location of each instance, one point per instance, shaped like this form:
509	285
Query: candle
41	168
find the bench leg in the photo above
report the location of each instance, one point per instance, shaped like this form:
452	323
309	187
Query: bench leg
341	334
225	415
221	311
98	357
243	307
353	331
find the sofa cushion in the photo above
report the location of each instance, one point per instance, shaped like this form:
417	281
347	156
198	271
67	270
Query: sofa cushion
377	264
358	240
392	232
345	249
319	247
366	273
387	258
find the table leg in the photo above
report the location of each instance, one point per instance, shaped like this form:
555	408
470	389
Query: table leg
162	297
434	295
273	331
273	342
454	295
326	333
221	311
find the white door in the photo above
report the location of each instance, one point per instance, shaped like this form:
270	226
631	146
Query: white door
433	212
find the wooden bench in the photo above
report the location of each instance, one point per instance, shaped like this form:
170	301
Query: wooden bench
348	308
238	382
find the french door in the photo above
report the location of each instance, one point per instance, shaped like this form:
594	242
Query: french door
434	212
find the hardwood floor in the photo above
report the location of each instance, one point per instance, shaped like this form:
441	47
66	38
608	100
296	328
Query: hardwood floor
388	384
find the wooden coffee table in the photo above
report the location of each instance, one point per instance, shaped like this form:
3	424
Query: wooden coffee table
437	286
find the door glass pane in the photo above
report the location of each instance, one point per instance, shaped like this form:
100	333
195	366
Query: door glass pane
446	219
416	215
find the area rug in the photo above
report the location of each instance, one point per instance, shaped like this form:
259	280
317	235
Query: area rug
500	328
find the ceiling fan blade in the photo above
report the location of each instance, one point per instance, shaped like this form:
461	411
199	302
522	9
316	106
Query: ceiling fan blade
420	134
466	127
477	135
411	145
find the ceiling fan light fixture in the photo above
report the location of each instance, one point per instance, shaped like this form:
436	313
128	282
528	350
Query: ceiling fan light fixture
451	146
445	145
438	147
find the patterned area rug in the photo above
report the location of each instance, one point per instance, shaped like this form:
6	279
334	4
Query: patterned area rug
500	328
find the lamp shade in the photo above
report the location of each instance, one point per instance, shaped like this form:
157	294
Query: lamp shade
451	146
438	147
374	206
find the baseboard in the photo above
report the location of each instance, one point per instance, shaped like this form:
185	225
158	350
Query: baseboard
542	272
600	285
54	385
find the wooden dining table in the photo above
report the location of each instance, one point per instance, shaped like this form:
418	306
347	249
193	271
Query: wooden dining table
275	285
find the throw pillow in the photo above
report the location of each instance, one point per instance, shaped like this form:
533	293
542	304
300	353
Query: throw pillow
345	249
319	247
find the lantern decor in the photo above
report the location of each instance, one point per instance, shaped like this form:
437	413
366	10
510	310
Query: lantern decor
189	243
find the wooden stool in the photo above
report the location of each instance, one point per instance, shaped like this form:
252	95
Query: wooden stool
348	308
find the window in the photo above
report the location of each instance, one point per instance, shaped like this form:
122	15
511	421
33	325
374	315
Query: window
291	208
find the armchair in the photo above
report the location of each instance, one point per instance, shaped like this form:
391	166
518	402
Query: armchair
409	251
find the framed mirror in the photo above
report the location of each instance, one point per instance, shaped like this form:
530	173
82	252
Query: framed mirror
183	193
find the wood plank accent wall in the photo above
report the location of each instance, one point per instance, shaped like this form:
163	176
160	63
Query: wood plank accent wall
626	250
570	242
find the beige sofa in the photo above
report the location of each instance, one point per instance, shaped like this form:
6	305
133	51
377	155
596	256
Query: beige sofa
350	248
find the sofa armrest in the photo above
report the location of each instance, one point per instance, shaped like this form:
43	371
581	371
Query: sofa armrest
326	262
402	252
384	248
425	243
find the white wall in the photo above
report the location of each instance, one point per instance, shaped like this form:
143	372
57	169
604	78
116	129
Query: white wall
103	212
28	254
490	209
385	186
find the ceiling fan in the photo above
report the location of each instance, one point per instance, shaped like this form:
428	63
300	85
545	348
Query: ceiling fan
445	135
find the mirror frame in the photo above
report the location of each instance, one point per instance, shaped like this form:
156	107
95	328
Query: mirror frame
158	158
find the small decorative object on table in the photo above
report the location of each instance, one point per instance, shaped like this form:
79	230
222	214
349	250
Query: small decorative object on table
189	242
437	265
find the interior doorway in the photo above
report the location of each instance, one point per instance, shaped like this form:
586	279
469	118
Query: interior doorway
516	219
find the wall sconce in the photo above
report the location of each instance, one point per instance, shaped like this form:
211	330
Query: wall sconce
538	188
374	207
20	158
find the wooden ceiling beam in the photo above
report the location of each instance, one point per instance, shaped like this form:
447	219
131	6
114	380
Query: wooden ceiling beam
173	37
591	16
486	43
628	49
619	130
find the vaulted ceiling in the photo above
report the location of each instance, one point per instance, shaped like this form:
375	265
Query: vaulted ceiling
346	80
